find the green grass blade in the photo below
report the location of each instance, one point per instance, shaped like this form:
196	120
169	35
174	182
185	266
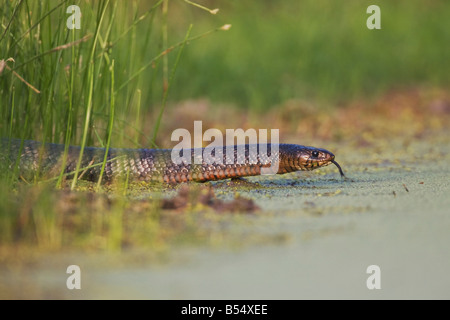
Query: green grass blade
90	96
166	91
110	126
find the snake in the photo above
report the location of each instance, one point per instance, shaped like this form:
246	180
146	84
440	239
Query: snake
33	158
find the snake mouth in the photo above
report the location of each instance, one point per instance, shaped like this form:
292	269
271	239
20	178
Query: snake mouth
339	167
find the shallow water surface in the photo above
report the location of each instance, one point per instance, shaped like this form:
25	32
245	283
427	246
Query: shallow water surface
319	233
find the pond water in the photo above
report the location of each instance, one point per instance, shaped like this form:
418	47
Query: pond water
393	211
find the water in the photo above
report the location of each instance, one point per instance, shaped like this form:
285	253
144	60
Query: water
391	213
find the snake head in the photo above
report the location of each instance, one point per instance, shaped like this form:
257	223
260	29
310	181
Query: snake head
311	158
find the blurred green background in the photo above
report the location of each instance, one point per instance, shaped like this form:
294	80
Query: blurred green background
278	50
316	50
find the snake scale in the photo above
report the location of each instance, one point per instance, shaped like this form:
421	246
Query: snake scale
32	157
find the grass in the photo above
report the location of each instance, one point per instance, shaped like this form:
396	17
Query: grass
317	51
308	50
85	87
71	69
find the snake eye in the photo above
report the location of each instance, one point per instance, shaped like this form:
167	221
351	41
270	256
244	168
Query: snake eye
315	154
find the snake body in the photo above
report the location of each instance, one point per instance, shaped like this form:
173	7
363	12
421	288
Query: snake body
32	157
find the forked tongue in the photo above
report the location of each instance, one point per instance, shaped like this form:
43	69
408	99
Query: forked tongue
339	167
